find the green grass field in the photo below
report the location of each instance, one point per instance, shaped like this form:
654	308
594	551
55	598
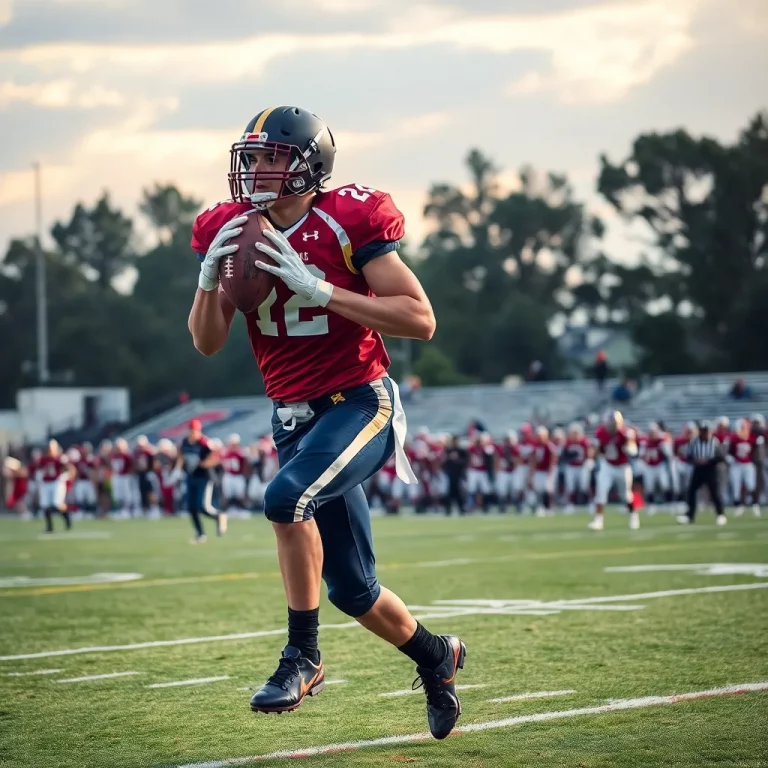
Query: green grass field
621	636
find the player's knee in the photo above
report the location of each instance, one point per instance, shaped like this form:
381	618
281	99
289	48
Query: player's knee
281	497
354	597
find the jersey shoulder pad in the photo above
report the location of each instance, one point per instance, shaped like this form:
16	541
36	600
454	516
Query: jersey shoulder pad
210	221
365	214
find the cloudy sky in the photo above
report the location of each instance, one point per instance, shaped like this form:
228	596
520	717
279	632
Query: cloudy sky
119	93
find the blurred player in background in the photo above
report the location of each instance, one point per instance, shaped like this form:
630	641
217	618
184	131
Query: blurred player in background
53	485
196	459
576	452
233	460
615	446
337	415
744	453
124	489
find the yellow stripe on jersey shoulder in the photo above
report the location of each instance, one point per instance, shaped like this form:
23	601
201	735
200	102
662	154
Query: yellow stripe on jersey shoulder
341	236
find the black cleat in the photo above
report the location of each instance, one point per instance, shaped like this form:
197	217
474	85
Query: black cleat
296	677
443	706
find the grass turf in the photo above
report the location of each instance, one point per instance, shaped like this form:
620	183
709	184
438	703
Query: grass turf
666	645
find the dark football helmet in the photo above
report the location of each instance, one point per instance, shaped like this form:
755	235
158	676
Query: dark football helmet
300	136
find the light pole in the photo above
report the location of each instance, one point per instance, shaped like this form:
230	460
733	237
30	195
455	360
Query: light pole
43	374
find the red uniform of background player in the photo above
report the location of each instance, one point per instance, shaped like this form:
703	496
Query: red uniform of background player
615	445
340	223
742	447
233	487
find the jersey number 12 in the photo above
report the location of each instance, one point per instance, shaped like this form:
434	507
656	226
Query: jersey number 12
294	326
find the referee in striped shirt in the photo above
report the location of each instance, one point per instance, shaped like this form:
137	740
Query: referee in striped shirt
705	453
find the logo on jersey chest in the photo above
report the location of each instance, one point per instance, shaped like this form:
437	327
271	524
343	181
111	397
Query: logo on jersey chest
310	236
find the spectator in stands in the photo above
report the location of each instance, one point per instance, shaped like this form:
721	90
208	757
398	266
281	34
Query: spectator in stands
740	390
623	393
536	371
600	369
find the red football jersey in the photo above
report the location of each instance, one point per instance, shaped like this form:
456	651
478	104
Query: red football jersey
233	461
681	448
52	468
613	446
477	456
741	449
724	436
121	463
544	456
576	451
143	459
84	469
305	351
509	456
654	451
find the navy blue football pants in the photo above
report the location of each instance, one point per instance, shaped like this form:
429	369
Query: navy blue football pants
325	454
199	496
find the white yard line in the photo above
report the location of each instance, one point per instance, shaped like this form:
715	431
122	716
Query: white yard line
336	682
36	672
70	536
410	691
96	677
473	608
534	695
388	741
196	681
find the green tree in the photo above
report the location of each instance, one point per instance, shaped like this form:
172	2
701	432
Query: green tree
497	266
705	206
98	240
169	211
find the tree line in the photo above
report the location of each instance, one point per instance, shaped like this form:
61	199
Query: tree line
500	267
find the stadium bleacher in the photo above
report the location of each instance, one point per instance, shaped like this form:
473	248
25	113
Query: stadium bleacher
672	399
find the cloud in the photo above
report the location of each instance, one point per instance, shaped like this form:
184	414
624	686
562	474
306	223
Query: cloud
59	94
6	12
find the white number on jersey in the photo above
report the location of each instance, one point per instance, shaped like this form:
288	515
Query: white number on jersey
316	326
358	192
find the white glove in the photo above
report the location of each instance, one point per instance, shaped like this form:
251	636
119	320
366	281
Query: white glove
209	269
292	270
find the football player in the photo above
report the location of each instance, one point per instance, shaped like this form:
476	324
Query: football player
616	445
337	415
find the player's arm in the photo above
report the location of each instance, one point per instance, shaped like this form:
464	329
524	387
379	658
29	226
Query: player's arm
209	320
399	307
211	314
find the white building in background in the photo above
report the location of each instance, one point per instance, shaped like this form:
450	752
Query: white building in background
41	411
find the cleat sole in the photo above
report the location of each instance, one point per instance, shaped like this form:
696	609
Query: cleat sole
313	691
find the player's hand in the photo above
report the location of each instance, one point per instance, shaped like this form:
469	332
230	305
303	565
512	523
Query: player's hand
209	269
292	270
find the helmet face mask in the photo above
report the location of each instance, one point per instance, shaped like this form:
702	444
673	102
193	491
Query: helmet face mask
299	147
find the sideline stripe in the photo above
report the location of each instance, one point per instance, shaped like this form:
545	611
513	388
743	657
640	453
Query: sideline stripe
96	677
409	691
617	706
471	611
33	592
535	695
197	681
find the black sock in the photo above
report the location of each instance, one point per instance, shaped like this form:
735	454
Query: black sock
67	519
302	632
426	649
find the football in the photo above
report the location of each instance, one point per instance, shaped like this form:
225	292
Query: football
245	285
